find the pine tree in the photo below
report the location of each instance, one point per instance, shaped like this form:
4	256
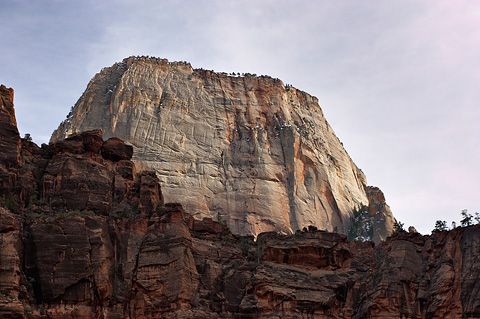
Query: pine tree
467	219
440	225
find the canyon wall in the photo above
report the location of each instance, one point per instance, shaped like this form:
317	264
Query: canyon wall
169	265
250	150
85	234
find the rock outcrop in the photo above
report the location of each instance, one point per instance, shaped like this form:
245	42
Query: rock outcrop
10	141
83	235
170	265
251	149
81	174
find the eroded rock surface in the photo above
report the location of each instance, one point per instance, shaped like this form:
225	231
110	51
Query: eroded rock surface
170	265
83	235
251	149
10	141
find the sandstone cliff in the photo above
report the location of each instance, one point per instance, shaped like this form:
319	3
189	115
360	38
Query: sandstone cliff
82	173
170	265
84	235
10	141
249	149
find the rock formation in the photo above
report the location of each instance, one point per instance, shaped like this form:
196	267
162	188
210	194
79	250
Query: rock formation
10	141
250	149
79	174
84	235
170	265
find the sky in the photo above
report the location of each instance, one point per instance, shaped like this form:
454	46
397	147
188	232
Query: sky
398	80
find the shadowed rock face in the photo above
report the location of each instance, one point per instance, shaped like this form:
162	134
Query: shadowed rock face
10	141
163	263
79	174
258	153
172	266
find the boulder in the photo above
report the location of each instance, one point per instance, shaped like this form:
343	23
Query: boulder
115	149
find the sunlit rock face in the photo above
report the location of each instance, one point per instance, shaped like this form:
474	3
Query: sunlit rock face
84	235
249	149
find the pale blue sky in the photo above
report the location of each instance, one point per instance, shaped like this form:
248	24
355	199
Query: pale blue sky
397	80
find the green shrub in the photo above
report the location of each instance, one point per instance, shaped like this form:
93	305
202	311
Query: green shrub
440	225
398	227
28	137
9	204
467	219
361	227
127	212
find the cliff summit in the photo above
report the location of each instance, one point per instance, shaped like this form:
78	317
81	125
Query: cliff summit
256	152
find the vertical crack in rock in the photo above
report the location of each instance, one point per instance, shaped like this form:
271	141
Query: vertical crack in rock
174	116
163	263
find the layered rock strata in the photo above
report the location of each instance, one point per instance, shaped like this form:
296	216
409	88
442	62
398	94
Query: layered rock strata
83	235
170	265
10	141
251	149
81	174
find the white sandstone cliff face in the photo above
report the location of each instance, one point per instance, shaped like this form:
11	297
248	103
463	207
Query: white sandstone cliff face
248	149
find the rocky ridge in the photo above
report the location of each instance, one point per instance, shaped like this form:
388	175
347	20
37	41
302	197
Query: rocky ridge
173	266
250	149
93	240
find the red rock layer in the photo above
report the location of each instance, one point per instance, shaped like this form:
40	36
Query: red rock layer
83	235
10	139
169	265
